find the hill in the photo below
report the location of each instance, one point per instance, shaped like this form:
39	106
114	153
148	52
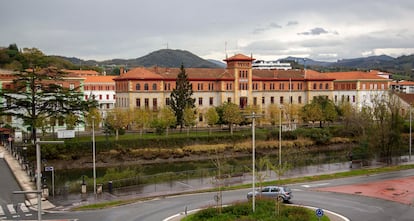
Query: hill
164	58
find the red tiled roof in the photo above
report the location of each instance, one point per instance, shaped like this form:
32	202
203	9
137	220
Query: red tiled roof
139	73
403	83
239	57
99	79
82	72
277	74
409	98
354	75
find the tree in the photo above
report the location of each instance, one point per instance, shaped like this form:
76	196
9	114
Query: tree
93	117
189	118
71	121
231	115
272	114
164	120
385	134
181	97
117	119
142	119
212	117
320	109
37	94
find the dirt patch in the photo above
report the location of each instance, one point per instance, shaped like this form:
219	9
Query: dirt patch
397	190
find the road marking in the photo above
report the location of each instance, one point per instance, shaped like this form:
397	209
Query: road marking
24	208
11	209
1	211
1	155
315	185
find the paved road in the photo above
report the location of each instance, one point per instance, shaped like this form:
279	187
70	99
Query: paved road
354	207
12	206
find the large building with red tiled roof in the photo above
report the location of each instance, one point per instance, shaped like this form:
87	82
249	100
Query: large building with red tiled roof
101	89
238	83
358	87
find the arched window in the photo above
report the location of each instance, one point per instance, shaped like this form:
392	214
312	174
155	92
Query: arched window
138	87
154	87
146	87
326	86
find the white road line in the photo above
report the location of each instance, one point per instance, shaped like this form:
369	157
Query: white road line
24	208
1	211
11	209
315	185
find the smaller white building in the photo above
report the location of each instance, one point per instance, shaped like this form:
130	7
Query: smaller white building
270	65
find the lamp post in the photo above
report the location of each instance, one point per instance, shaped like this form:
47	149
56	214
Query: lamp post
409	155
253	116
280	138
39	175
93	153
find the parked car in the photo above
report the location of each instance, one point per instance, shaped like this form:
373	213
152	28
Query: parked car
275	192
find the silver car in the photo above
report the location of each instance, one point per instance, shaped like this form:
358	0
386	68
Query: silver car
275	192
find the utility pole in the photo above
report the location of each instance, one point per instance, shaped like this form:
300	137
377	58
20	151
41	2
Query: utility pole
253	116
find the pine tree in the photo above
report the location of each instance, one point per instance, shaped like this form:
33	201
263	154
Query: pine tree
36	94
181	97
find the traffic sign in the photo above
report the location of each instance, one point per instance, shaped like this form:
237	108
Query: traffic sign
48	169
319	213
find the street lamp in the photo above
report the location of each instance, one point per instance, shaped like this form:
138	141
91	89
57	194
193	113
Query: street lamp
280	138
409	156
253	116
93	153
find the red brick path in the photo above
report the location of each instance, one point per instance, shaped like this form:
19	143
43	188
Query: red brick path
398	190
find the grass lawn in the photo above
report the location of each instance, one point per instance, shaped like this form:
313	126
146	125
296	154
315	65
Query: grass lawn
265	210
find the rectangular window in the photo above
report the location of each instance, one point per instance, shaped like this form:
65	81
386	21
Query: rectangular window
200	101
229	100
71	86
167	101
138	102
263	100
300	99
353	98
107	96
272	100
255	101
281	100
146	100
154	104
211	101
100	97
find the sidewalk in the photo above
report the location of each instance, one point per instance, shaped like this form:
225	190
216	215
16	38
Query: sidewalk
23	180
186	186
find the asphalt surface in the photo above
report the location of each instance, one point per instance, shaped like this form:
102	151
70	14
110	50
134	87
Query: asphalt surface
354	206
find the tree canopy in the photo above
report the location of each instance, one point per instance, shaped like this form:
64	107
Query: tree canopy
36	94
181	97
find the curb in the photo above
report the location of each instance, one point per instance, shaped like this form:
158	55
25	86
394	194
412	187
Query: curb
179	216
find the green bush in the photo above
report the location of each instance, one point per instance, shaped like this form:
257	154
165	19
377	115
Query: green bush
266	210
318	135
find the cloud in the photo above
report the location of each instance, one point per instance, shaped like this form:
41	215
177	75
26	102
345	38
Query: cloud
292	23
270	26
314	31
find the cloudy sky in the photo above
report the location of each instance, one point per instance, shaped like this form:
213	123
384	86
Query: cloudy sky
325	30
